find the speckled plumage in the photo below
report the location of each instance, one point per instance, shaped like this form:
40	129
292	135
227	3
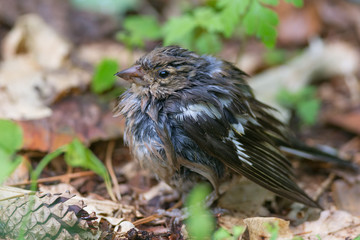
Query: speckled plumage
202	122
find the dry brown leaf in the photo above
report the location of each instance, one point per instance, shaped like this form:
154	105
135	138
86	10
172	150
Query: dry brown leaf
347	196
228	222
76	24
348	121
35	70
93	53
351	149
297	25
246	197
107	208
257	227
32	36
320	61
340	14
19	80
332	225
84	117
157	190
249	62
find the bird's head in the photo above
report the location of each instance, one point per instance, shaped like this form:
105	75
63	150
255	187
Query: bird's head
164	71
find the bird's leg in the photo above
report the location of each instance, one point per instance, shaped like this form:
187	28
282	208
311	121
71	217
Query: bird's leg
175	212
174	196
211	198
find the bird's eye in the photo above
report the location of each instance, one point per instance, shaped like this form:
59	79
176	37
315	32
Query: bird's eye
163	73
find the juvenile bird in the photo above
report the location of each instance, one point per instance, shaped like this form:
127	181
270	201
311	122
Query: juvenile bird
193	118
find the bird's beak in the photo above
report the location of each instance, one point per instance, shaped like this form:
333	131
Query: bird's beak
132	74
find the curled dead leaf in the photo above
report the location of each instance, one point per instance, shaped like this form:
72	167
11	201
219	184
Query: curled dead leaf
257	227
332	225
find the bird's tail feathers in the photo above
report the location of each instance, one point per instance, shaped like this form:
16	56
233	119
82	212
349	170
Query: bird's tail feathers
327	155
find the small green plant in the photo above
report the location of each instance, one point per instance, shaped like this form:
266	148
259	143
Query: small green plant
138	29
304	102
200	223
297	238
273	229
275	56
11	140
223	234
202	28
104	78
77	155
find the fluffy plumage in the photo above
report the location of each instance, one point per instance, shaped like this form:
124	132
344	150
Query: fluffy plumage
191	118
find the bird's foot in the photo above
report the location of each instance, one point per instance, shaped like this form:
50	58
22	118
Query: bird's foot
179	215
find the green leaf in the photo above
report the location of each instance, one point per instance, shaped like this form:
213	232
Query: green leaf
357	237
267	34
237	231
200	223
144	26
275	56
8	165
77	155
229	19
43	163
304	102
129	40
296	3
179	31
269	16
270	2
208	43
273	229
250	21
221	234
207	18
230	14
300	238
286	98
308	111
138	29
104	77
11	136
239	6
262	22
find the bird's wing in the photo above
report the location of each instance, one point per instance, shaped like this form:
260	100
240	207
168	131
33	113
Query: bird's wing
242	142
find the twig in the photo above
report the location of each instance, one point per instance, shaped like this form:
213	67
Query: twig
55	178
303	233
17	196
352	226
324	185
155	216
108	162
